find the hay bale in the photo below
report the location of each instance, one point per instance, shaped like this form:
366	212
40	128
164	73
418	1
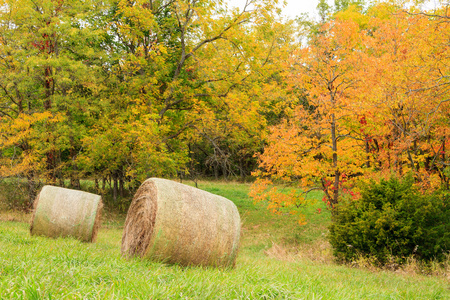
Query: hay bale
60	212
175	223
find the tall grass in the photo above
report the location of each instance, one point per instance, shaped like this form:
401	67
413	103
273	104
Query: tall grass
269	266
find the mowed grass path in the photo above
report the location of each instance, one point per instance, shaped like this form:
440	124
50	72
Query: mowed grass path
42	268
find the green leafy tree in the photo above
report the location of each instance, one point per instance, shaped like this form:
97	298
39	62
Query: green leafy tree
46	73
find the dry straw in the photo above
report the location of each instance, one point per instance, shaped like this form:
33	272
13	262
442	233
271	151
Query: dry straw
175	223
60	212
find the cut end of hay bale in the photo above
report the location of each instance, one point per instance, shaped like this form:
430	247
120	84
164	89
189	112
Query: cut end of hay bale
61	212
140	221
174	223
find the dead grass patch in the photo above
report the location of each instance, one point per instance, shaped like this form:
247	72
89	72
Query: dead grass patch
412	267
318	251
15	216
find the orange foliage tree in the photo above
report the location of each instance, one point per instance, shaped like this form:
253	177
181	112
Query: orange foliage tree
376	95
316	146
405	65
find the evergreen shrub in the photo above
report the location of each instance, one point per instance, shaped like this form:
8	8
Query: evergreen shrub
392	220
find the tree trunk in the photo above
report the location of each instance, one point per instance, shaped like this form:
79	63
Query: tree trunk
368	153
97	187
216	172
241	169
335	161
115	188
74	180
225	171
446	180
121	186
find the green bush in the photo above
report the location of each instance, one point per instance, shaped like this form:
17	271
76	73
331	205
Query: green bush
392	220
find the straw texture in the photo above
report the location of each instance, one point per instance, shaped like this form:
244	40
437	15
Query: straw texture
60	212
174	223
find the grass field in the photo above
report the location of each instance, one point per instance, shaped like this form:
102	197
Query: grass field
278	260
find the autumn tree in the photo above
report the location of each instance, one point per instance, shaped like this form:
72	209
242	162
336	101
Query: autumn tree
245	90
376	101
315	148
407	66
186	77
45	72
118	91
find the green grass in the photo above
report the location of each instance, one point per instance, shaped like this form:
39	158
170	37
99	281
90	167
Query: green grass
41	268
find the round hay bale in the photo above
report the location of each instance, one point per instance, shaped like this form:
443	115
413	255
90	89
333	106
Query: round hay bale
60	212
174	223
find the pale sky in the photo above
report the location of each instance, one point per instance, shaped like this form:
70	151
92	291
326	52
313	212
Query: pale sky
293	7
296	7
